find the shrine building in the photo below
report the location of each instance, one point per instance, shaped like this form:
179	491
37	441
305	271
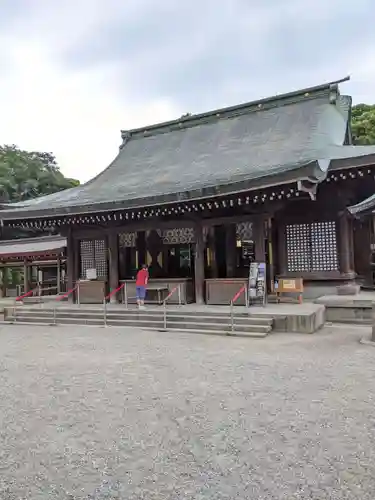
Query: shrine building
200	197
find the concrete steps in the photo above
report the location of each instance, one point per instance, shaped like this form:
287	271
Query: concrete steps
177	320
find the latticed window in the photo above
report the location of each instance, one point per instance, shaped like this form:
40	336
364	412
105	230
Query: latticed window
244	231
127	240
312	247
177	236
94	256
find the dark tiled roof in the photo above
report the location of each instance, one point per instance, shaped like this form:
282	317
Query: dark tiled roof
280	139
32	246
366	206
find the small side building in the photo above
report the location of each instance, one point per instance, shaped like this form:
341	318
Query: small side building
30	262
199	198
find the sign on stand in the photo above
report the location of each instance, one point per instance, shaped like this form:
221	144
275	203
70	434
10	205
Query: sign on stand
257	291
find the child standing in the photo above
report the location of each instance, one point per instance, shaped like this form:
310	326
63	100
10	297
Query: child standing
140	285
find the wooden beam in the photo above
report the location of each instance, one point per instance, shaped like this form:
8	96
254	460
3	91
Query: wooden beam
344	244
230	250
259	240
113	264
70	262
26	283
199	264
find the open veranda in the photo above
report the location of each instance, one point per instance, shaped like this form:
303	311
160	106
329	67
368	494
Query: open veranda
94	413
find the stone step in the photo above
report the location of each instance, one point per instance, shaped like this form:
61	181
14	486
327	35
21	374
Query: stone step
45	321
154	310
143	313
247	331
172	323
140	316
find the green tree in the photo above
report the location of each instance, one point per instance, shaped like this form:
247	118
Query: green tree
363	124
28	174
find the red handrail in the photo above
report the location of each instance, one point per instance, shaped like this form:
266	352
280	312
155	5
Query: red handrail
66	294
238	294
170	294
25	295
114	291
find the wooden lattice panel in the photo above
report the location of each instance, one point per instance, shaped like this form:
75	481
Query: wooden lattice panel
178	236
127	240
298	247
101	258
324	255
93	256
244	231
87	256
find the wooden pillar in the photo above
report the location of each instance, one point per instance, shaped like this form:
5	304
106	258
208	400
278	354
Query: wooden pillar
26	283
259	240
230	250
344	244
212	250
199	264
58	275
3	287
113	264
282	247
70	262
141	247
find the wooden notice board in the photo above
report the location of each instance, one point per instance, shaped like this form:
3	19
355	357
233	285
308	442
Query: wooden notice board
289	286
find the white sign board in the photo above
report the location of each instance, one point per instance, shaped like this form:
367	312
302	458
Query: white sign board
91	274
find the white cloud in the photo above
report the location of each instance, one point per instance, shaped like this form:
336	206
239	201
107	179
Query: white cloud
77	115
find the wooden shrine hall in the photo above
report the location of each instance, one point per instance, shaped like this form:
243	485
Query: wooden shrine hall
201	197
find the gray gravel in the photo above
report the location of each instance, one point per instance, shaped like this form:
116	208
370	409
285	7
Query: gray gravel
93	413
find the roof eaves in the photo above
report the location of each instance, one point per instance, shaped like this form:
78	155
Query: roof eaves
313	171
363	206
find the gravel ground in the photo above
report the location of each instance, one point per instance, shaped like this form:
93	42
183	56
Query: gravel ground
93	413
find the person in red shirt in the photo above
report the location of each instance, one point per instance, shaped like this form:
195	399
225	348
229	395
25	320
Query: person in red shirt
140	285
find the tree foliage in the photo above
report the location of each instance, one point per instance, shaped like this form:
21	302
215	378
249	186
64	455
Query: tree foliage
363	124
28	174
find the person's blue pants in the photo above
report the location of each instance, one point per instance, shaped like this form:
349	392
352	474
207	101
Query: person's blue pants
141	292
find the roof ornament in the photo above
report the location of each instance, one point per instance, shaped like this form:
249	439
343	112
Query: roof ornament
125	136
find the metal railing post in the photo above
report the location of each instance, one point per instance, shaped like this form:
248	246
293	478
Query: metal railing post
231	316
165	315
126	295
246	297
179	295
105	312
78	296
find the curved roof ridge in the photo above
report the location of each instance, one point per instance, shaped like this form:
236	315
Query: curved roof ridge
190	120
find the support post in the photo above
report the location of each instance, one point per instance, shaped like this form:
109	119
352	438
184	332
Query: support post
58	275
199	263
212	248
70	267
259	240
345	245
230	250
141	247
26	283
113	265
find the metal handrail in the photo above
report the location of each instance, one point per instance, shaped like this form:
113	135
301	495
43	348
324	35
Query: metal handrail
112	292
31	292
61	297
242	290
176	288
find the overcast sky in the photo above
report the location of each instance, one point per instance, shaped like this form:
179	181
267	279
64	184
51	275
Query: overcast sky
75	72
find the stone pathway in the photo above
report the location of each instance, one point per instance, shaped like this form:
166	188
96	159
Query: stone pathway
112	414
